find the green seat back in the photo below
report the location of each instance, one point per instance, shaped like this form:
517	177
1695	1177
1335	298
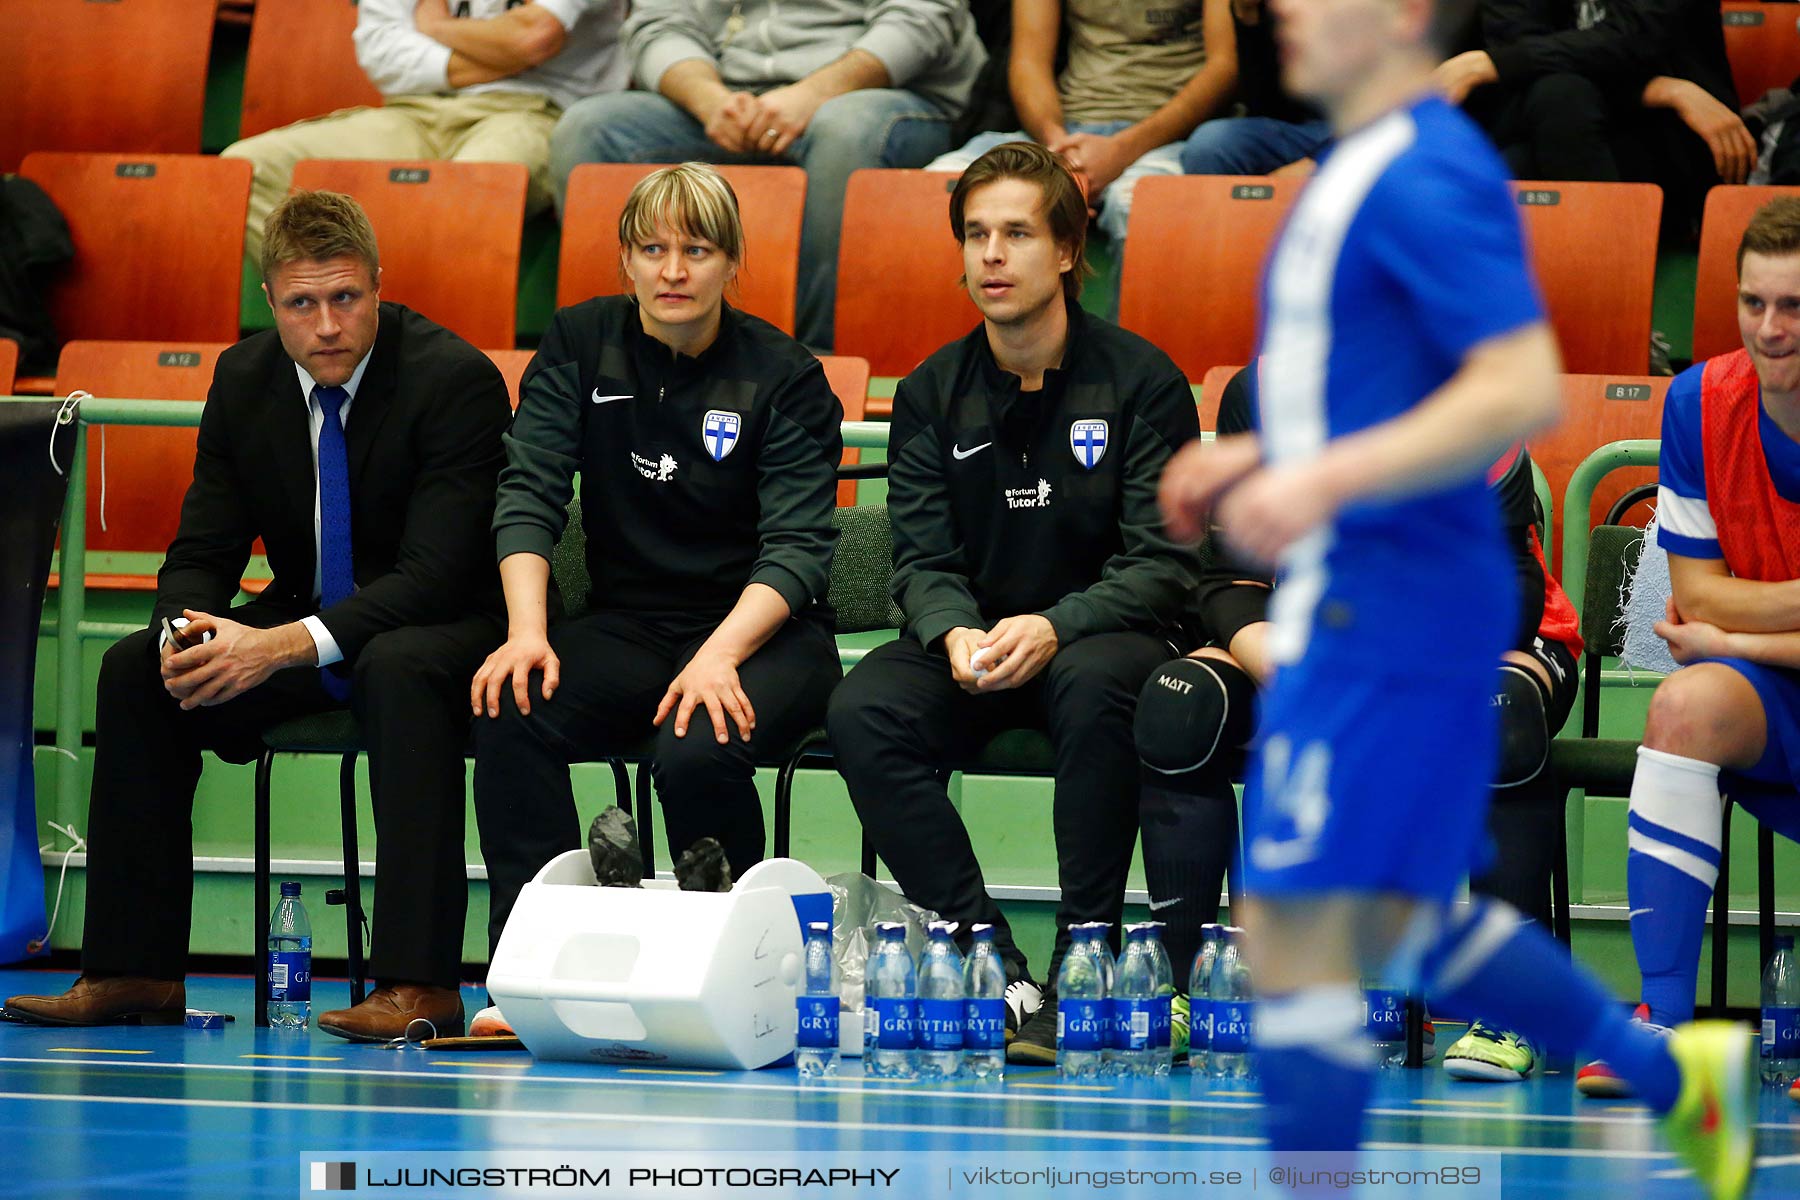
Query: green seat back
568	563
863	569
1613	552
860	571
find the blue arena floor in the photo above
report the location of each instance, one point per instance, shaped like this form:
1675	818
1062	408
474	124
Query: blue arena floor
172	1112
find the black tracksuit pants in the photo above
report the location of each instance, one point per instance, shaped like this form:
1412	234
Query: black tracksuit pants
615	668
410	693
900	716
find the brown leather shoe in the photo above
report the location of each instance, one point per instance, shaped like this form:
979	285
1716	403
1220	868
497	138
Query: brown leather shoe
388	1010
121	1000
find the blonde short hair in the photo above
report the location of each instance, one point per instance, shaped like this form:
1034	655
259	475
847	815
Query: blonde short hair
316	226
692	198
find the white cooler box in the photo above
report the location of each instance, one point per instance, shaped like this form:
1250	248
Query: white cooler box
656	975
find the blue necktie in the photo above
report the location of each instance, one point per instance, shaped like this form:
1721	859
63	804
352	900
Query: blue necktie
336	577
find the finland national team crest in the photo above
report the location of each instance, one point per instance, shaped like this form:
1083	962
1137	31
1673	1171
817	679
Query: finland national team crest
1088	440
719	430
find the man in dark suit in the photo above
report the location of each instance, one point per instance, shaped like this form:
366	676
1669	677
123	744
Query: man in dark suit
361	442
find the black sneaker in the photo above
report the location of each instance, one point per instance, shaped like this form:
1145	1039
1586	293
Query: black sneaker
1036	1040
1023	998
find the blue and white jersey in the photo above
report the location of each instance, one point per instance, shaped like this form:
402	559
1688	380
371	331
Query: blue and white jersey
1685	524
1402	254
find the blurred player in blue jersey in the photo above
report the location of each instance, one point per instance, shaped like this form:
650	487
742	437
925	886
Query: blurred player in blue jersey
1403	348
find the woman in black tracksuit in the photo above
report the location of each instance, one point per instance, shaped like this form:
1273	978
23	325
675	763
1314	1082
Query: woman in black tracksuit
707	442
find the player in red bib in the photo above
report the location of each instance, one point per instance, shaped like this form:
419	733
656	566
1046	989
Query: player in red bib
1728	514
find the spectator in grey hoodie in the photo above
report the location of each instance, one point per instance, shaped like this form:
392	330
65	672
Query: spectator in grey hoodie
832	85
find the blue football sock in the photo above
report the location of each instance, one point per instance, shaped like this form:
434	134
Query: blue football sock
1670	871
1490	961
1317	1066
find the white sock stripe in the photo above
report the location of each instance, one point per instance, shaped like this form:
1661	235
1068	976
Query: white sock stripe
1679	794
1688	864
1476	945
1310	1015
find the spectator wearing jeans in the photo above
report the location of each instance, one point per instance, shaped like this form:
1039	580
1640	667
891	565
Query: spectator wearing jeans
1140	75
483	84
1275	129
833	85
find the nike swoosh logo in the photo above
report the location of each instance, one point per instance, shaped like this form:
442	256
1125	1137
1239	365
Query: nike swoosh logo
597	398
1637	912
1159	905
958	453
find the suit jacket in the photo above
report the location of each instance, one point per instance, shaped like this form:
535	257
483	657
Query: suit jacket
424	448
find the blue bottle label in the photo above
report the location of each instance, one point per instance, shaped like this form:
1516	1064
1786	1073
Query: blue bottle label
940	1025
1131	1024
1231	1024
290	975
818	1022
1161	1020
1200	1023
891	1022
1387	1015
1780	1032
1082	1024
984	1024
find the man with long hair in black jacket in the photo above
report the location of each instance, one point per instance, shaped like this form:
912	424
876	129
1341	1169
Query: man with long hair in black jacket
1030	562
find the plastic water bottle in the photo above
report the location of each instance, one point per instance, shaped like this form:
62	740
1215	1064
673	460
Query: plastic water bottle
1135	1002
889	1006
1384	1016
290	962
984	1008
940	1021
1200	996
1232	1009
1081	1009
1162	1000
816	1043
1781	1015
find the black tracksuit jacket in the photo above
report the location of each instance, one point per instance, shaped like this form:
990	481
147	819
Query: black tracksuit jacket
1007	502
699	475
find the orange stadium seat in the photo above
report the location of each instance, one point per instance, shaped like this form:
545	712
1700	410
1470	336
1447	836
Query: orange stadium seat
1593	246
1728	211
1195	256
1193	261
9	363
1212	392
771	200
159	244
145	471
301	64
849	379
1763	43
512	364
449	235
128	75
1597	409
897	298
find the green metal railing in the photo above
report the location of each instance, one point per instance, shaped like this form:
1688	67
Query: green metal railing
1578	502
72	627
